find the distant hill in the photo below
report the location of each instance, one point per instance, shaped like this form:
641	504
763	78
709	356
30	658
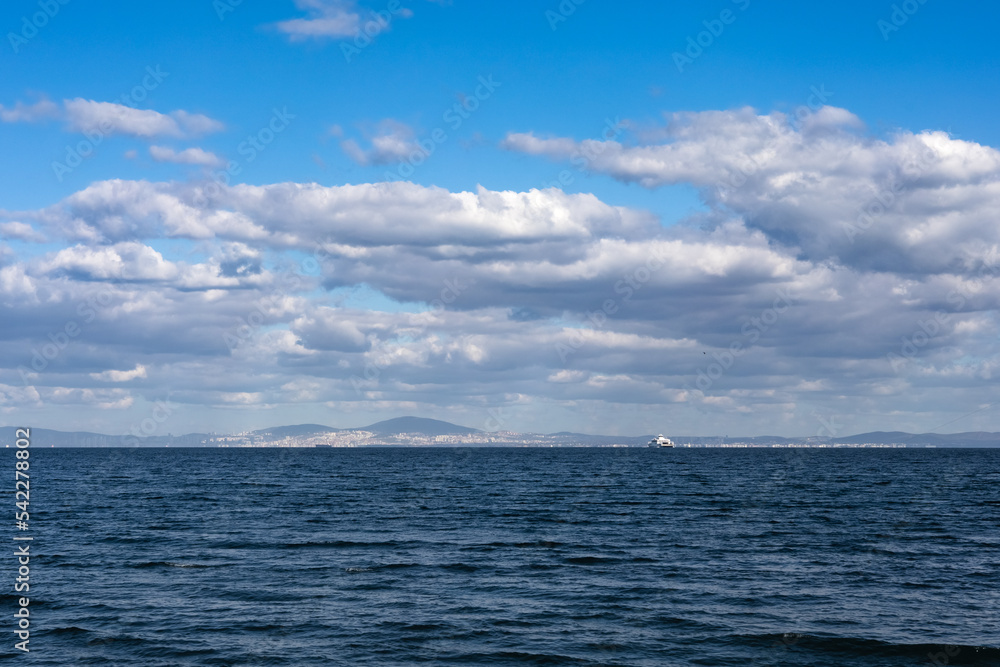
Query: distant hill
968	439
43	437
418	425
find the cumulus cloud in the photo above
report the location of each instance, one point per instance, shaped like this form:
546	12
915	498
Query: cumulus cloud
104	118
20	231
326	18
912	202
391	141
120	376
541	300
349	218
233	266
329	329
110	117
29	113
102	399
125	261
196	156
335	19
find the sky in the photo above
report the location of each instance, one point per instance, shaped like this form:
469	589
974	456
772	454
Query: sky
722	217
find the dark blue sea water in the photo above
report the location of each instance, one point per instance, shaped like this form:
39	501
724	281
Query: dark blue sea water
180	557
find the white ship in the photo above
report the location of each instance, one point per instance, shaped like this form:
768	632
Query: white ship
660	441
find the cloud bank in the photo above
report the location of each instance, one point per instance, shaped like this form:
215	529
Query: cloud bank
831	273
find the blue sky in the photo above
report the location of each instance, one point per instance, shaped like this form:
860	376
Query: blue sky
557	74
934	73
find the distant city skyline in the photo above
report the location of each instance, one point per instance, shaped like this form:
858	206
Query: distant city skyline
699	218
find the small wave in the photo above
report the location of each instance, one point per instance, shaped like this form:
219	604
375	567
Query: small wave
423	627
358	569
459	567
591	560
517	657
339	544
161	563
851	647
393	566
260	628
513	622
120	640
71	630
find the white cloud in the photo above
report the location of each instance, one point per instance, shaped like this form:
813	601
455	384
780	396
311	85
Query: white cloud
242	398
20	231
341	19
120	376
102	399
124	261
232	266
326	18
329	329
391	141
109	117
559	304
919	200
363	216
29	113
14	398
105	118
16	284
187	156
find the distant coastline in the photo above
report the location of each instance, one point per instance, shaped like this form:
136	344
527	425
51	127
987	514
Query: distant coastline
421	432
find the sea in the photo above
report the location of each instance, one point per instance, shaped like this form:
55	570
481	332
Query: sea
509	556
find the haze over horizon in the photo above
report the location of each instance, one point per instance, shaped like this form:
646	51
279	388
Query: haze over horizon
716	218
